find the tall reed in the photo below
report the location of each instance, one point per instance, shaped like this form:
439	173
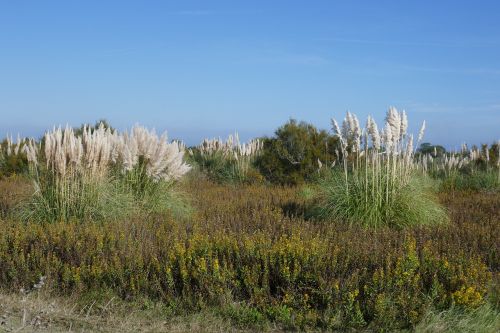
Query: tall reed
377	182
467	169
99	173
228	160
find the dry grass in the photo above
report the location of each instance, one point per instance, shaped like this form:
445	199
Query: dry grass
268	258
13	191
45	313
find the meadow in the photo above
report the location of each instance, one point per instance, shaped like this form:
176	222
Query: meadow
309	230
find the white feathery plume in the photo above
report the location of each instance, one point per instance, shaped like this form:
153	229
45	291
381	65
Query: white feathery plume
394	120
464	148
388	139
346	127
356	132
337	131
9	145
373	131
421	132
404	123
409	148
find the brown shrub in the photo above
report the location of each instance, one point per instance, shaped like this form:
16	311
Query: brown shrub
241	246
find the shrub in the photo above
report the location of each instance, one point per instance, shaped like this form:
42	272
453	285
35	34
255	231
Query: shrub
296	152
13	190
241	252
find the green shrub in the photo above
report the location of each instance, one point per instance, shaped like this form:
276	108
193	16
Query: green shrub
292	155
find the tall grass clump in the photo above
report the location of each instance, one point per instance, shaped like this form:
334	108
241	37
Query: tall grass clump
377	181
227	161
98	174
148	166
468	169
12	157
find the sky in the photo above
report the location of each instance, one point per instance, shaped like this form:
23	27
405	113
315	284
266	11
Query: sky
209	68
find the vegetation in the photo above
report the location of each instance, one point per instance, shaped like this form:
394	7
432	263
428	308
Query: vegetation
12	159
100	174
296	152
377	182
107	225
248	255
227	161
474	170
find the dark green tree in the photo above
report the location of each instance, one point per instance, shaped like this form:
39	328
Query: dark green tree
291	156
428	148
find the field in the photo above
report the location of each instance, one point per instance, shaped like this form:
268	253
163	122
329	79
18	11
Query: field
362	230
247	259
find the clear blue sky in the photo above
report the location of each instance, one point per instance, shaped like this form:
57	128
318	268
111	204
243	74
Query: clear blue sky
205	68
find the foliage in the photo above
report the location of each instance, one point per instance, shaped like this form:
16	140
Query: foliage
378	185
470	181
13	191
483	319
227	161
241	253
414	203
12	159
292	155
428	148
102	174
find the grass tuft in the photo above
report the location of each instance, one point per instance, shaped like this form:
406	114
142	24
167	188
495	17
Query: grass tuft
414	203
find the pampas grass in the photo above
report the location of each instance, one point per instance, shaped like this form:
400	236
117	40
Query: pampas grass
227	161
99	174
468	169
377	182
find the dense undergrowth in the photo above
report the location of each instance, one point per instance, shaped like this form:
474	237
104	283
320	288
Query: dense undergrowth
249	252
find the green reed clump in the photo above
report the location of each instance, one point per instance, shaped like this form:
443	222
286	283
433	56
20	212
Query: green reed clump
13	160
476	181
413	203
101	174
376	181
228	161
469	169
153	196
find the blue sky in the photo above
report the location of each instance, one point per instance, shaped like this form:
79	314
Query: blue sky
208	68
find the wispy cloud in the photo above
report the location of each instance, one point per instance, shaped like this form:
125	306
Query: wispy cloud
450	44
290	59
467	71
195	12
303	59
